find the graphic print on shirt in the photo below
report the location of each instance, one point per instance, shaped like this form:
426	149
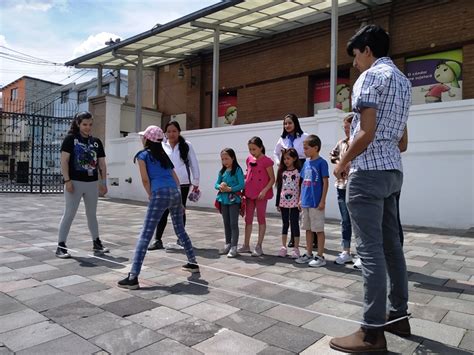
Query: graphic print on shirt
308	176
290	189
85	156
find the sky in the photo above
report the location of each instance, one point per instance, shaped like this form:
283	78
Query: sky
60	30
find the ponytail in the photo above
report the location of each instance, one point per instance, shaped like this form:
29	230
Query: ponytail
78	117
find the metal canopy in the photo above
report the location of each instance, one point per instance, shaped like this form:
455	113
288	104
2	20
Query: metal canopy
238	22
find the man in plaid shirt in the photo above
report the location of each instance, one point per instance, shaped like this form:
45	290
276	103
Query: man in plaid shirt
380	100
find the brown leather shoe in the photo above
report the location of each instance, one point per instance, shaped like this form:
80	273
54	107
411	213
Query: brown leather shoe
364	340
400	328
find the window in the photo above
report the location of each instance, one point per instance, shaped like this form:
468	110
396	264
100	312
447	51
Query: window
14	94
64	96
105	88
82	96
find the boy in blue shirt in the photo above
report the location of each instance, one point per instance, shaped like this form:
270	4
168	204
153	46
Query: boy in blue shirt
314	188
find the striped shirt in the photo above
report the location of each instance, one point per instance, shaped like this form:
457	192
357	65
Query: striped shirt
388	90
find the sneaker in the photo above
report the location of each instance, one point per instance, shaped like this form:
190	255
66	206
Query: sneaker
131	284
179	242
357	264
224	250
317	262
193	268
156	245
343	258
295	254
257	251
243	249
232	252
173	246
282	252
304	259
61	251
291	243
98	247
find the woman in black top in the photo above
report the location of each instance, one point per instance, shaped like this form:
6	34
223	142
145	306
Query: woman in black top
82	160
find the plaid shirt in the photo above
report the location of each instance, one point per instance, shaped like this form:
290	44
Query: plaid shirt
388	90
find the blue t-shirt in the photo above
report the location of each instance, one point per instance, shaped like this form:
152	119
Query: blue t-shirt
159	176
312	173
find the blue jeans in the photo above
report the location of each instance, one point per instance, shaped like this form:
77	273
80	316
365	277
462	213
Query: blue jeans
372	206
346	227
161	200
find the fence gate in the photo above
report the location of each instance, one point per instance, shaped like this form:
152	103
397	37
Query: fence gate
30	149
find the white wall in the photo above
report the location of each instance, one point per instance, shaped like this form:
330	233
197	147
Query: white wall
438	187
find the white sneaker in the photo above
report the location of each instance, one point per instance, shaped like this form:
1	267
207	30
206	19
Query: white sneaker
304	259
343	258
232	252
358	264
258	251
224	250
317	262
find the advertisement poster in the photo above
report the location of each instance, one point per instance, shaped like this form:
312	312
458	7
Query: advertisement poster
227	110
435	77
322	94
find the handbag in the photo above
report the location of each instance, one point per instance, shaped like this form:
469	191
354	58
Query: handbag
243	203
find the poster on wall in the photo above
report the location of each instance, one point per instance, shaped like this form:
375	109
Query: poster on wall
322	94
435	77
227	110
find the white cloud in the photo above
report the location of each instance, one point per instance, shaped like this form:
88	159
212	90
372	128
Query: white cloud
40	5
93	43
3	41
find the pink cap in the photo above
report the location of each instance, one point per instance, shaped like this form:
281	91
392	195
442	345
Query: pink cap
153	134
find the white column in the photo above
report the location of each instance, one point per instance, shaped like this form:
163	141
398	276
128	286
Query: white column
215	77
138	96
334	30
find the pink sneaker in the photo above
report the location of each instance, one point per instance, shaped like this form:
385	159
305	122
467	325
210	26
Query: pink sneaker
295	254
282	252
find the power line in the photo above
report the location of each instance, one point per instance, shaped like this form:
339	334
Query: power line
31	58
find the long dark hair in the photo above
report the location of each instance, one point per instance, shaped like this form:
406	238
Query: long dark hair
78	118
258	142
292	153
183	146
296	122
157	154
235	163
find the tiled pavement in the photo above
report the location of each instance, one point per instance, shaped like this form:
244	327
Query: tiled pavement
246	305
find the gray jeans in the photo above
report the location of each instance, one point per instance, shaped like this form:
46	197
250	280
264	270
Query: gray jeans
230	215
90	192
371	200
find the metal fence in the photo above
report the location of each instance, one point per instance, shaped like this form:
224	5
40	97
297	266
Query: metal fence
30	149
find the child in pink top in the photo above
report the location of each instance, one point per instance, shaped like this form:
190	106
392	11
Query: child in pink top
259	180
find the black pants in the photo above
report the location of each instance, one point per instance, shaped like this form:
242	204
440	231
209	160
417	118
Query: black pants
164	219
290	216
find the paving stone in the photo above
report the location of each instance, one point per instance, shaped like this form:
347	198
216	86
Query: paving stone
10	286
320	347
450	275
157	317
460	320
335	308
294	298
107	296
36	268
20	319
96	324
85	288
338	282
247	323
33	292
66	281
430	313
209	311
451	304
72	311
12	276
129	306
291	315
9	305
289	337
74	344
331	326
32	335
251	304
166	347
229	342
434	347
443	333
273	350
190	331
463	285
127	339
44	303
176	301
468	341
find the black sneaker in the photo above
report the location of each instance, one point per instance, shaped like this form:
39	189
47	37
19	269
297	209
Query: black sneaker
157	244
193	268
291	243
131	284
61	251
179	242
98	247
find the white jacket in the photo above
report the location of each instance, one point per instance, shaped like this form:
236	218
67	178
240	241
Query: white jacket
180	167
284	143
